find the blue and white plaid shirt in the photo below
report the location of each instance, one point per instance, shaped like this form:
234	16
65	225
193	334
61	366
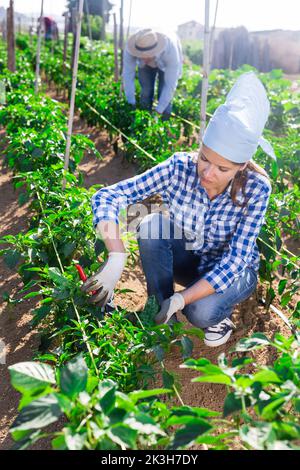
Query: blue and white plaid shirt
224	234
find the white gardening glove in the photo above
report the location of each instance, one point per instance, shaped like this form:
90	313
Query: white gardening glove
105	280
169	307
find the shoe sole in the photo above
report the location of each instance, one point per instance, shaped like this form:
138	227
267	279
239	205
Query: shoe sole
218	342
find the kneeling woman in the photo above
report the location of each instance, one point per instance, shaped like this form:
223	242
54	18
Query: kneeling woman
217	202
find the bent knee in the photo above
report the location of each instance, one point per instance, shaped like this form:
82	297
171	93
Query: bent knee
203	314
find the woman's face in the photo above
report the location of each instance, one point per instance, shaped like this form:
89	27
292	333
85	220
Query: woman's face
215	172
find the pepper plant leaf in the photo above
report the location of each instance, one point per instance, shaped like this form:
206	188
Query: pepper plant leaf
73	377
31	376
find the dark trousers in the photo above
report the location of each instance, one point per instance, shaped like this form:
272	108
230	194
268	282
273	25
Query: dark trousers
165	259
147	77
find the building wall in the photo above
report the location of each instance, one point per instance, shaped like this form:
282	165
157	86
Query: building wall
265	50
284	49
190	31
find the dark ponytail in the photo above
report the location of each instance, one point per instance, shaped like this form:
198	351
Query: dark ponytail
240	180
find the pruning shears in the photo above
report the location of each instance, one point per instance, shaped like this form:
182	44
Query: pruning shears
83	277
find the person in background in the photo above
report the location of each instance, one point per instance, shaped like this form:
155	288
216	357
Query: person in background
50	28
157	56
217	201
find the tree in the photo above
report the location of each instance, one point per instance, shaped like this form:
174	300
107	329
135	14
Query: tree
95	7
193	49
96	23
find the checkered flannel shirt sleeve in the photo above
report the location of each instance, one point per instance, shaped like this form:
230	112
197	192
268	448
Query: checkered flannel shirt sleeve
234	260
108	202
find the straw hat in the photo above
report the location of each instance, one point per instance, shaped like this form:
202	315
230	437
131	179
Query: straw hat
146	43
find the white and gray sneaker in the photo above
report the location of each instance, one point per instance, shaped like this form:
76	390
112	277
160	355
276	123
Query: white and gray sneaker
218	334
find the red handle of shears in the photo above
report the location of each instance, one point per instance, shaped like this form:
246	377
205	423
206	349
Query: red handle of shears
83	276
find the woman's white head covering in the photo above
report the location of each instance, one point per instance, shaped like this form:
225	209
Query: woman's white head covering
235	129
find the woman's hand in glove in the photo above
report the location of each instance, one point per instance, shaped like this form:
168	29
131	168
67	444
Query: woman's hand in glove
105	280
169	307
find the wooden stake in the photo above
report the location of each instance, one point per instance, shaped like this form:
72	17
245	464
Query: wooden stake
121	36
103	14
11	49
88	20
38	51
212	35
66	15
31	32
4	31
73	91
231	51
73	26
205	72
116	50
129	20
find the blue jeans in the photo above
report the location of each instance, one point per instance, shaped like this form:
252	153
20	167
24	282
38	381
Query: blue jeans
165	260
147	76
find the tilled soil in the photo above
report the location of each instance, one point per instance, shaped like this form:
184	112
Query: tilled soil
21	342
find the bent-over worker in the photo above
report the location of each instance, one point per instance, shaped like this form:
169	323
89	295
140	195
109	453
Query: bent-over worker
157	56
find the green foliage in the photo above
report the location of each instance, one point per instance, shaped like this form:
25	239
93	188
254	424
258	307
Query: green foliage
96	25
31	376
193	49
95	7
73	377
22	42
101	417
266	400
151	309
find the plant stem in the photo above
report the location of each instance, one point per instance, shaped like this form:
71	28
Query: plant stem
84	336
